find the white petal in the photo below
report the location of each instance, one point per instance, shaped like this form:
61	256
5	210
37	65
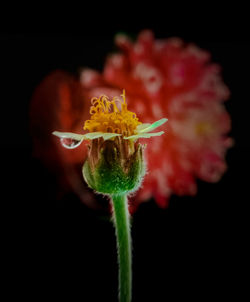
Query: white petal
71	135
142	126
93	135
144	135
109	135
152	126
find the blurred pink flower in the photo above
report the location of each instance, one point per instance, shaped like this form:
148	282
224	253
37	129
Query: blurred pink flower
59	103
161	78
177	80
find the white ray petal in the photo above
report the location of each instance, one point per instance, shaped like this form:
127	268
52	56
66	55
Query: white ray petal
93	135
107	136
152	126
142	126
71	135
144	135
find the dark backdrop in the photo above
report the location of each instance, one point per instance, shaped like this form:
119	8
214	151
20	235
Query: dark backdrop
194	249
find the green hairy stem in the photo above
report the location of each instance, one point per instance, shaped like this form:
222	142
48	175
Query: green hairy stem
121	222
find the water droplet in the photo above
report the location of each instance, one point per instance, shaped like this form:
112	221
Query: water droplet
70	143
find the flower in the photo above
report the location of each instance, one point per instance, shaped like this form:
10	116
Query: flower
169	77
108	121
115	163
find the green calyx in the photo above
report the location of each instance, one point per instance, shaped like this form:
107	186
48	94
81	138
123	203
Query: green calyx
112	173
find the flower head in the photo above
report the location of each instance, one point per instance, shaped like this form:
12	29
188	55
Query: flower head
108	121
115	161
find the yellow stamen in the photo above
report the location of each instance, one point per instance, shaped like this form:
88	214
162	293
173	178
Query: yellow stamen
111	116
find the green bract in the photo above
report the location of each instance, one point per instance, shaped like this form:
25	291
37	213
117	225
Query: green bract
112	174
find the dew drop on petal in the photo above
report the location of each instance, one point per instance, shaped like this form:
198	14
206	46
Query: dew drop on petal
70	143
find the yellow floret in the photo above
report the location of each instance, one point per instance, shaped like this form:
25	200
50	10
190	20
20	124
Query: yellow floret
111	116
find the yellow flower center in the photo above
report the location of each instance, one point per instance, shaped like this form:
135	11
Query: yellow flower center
111	116
204	128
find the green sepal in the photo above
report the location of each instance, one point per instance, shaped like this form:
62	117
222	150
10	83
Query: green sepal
111	175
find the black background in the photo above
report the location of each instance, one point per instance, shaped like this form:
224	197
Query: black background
194	249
